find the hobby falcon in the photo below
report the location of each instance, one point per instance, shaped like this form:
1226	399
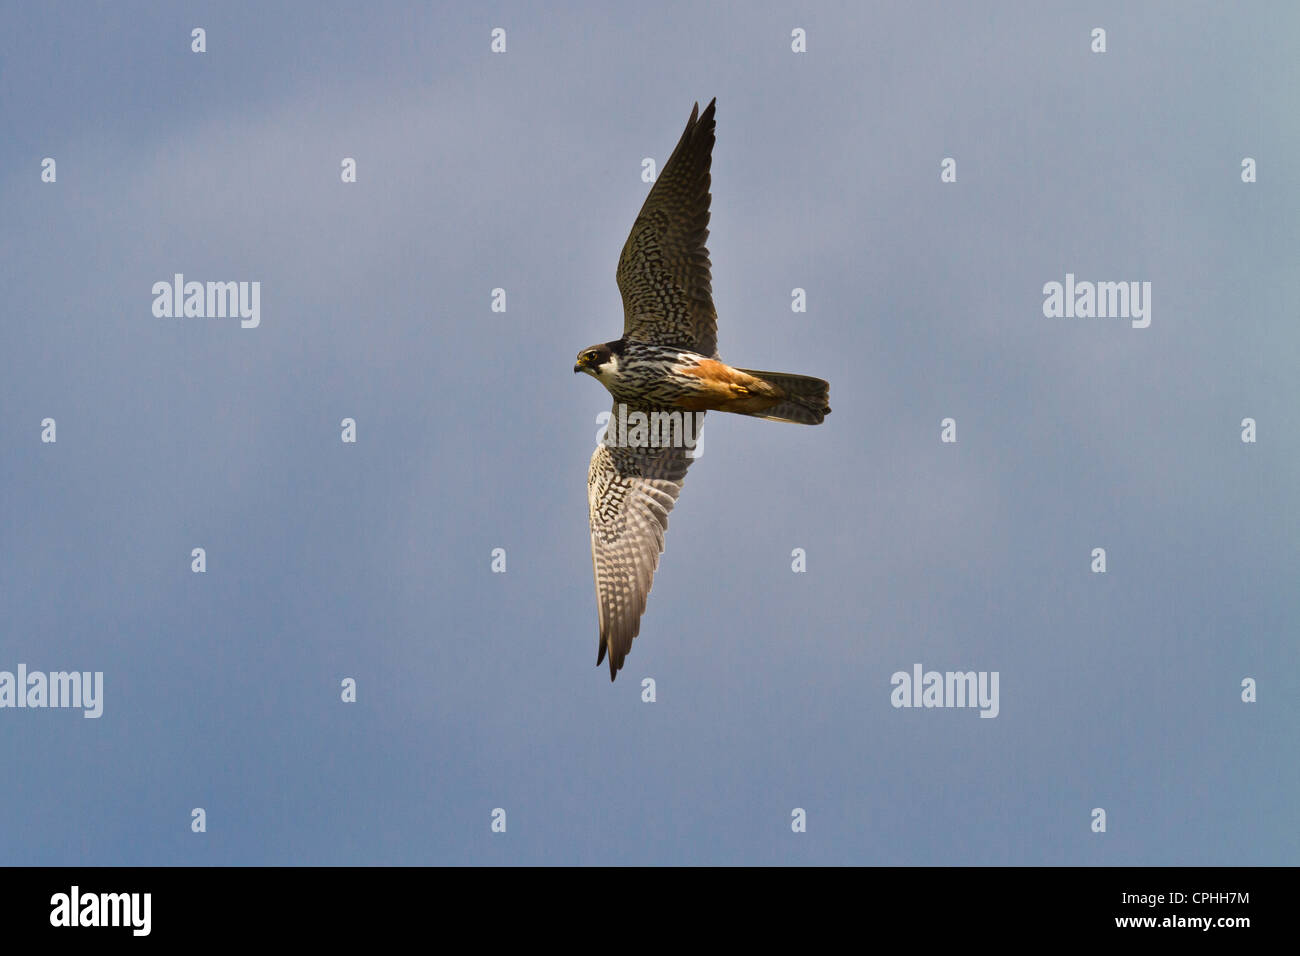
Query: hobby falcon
665	370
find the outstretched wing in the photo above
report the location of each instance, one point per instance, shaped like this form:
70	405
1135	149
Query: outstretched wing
629	493
663	272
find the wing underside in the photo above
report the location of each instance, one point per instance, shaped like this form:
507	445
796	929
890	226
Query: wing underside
630	492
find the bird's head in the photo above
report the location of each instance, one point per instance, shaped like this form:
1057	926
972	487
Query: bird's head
598	359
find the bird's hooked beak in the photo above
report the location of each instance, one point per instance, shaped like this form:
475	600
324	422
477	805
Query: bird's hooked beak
581	364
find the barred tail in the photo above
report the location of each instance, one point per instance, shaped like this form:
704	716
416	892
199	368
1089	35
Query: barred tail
805	399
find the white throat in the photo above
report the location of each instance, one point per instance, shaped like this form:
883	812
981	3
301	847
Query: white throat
609	371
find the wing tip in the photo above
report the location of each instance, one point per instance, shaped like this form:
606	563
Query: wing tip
600	658
706	119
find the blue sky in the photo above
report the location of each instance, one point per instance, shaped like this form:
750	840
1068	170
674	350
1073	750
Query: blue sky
522	171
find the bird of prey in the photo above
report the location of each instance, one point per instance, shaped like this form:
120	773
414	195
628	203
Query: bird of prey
665	370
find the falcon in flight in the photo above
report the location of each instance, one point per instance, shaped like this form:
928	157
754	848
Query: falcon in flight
664	373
